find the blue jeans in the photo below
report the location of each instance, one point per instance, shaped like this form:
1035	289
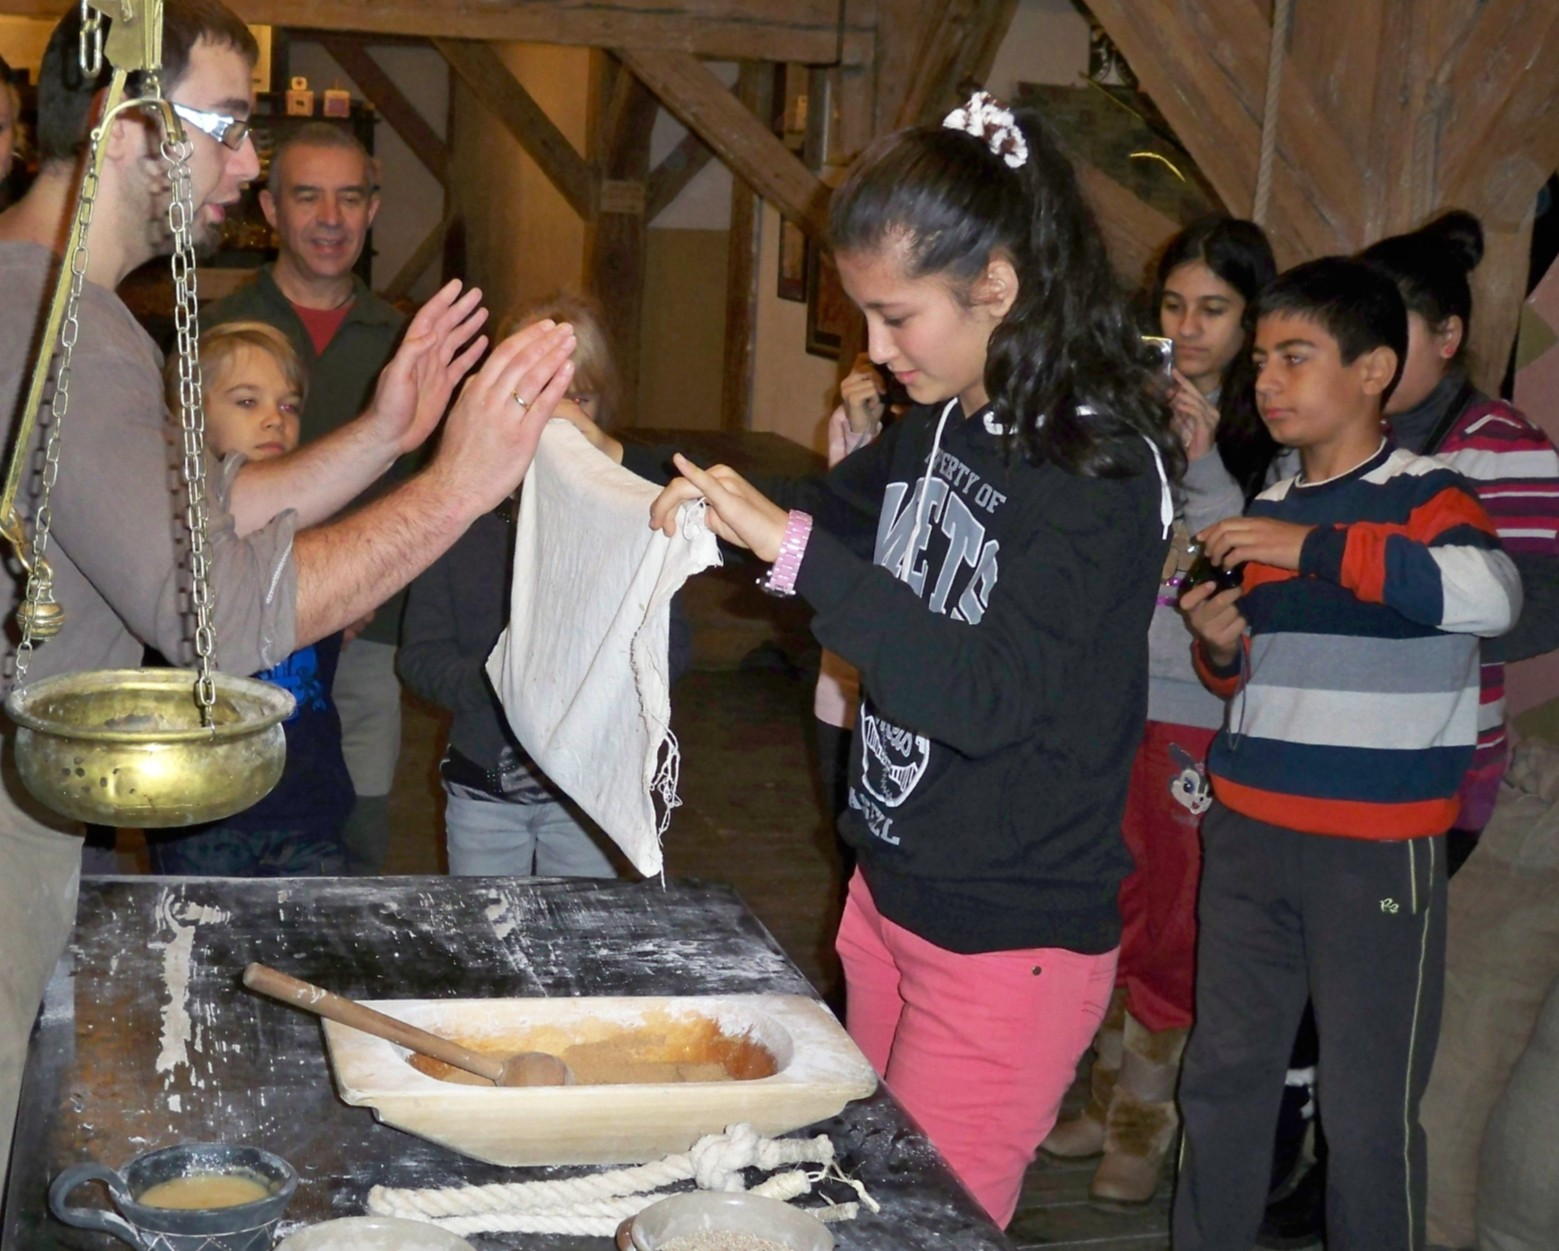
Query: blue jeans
491	836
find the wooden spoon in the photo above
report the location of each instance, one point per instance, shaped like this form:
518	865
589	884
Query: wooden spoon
527	1068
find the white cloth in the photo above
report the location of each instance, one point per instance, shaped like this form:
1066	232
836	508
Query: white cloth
582	668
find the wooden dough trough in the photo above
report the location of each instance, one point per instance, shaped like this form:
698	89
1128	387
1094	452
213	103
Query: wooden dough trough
783	1062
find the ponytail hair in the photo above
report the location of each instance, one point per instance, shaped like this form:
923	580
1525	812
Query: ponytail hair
1431	266
1238	254
1066	371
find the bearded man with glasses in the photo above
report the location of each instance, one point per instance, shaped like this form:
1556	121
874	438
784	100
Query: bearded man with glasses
279	578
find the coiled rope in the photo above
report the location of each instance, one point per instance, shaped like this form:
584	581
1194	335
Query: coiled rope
596	1203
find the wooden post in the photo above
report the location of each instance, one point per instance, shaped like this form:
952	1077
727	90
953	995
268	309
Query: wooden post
616	261
755	90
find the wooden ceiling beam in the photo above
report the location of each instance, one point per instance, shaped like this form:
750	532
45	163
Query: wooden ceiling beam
1502	136
498	89
701	102
670	178
390	101
619	237
899	25
1205	66
795	30
958	40
415	265
755	93
1134	231
1400	124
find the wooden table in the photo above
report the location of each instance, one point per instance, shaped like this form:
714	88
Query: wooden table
148	1037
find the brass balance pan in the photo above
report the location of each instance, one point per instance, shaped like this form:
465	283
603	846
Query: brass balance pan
126	746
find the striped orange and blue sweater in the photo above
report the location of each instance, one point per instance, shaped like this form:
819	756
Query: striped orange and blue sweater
1353	708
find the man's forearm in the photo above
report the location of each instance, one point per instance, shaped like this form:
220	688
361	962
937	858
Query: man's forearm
317	481
351	566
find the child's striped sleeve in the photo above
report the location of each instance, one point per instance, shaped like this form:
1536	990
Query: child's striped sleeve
1437	561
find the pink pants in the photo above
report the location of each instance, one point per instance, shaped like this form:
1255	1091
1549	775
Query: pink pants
979	1048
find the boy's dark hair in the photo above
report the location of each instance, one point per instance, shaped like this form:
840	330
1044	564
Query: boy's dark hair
65	93
1066	370
1238	254
1431	265
1351	300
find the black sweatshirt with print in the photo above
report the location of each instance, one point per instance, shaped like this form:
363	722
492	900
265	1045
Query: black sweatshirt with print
1004	683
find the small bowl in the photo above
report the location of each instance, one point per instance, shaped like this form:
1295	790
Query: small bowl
703	1210
373	1233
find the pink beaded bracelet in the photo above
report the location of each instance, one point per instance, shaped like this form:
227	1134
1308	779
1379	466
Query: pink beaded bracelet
781	578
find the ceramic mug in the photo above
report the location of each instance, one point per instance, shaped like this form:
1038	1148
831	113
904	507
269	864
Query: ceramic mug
240	1227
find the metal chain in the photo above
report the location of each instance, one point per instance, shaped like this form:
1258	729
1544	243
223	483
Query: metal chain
181	219
39	579
89	43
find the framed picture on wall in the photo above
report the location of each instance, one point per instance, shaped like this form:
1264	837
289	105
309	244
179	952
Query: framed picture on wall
792	283
828	307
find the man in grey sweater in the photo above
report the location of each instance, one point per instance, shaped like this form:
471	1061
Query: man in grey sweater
279	578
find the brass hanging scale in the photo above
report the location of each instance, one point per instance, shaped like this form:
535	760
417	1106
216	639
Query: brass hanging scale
134	747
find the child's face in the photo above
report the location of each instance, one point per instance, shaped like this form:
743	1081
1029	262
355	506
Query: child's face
917	328
1201	313
1307	396
250	407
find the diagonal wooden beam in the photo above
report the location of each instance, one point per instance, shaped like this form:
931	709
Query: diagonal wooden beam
754	154
415	265
393	106
1204	63
1134	231
958	40
1502	130
670	178
498	89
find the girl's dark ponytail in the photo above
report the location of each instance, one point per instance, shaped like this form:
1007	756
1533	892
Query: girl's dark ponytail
1431	266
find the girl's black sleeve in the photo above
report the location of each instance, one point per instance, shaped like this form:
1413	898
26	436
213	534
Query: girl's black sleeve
1073	596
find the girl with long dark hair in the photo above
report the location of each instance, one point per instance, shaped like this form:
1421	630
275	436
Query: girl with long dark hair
989	565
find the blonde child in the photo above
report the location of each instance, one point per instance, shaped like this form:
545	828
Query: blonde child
253	390
501	813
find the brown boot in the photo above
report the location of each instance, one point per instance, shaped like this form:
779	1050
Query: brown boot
1081	1137
1142	1124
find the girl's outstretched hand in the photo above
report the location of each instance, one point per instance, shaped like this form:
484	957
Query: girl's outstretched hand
737	512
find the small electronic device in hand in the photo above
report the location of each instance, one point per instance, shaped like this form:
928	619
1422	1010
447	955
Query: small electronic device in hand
1204	570
1163	350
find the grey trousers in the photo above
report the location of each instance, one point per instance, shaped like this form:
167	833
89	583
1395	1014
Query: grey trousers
40	869
1358	926
368	697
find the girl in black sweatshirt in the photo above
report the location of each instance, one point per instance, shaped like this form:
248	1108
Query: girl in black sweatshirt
990	566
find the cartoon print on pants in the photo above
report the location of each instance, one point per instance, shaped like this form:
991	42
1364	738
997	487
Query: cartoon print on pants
1189	786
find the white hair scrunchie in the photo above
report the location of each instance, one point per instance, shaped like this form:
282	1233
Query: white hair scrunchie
987	120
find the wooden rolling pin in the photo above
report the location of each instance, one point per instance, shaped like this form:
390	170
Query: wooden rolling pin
526	1068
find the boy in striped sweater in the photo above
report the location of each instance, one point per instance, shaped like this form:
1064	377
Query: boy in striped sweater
1349	655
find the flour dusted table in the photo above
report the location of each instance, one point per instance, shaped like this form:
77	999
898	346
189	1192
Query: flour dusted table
148	1038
